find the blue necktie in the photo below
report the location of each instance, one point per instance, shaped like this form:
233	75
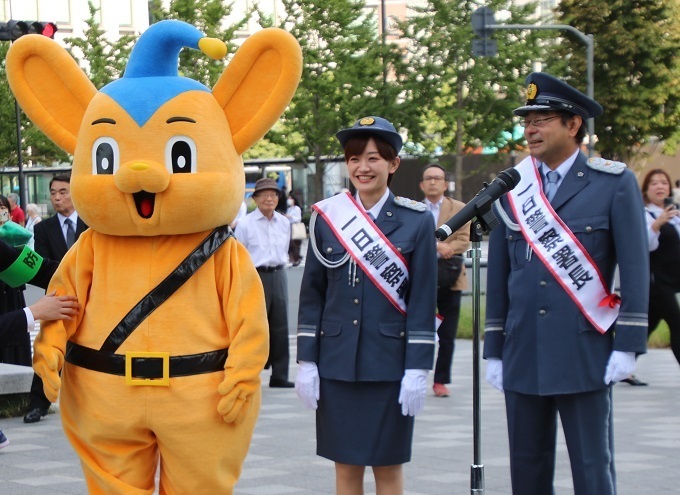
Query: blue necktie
551	187
70	233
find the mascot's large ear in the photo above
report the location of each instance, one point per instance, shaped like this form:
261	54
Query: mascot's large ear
258	83
50	87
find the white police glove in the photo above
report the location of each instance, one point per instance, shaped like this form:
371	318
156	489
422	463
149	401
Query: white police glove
412	393
494	373
307	384
621	365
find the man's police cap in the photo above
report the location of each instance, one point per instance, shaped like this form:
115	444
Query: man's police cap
546	92
372	125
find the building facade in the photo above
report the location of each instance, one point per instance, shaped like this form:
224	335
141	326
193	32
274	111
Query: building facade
116	17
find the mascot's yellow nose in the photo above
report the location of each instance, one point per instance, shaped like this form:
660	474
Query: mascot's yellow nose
138	175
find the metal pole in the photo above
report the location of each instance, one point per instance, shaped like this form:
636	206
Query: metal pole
22	179
383	29
477	468
590	49
588	40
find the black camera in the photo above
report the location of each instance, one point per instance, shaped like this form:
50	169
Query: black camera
669	202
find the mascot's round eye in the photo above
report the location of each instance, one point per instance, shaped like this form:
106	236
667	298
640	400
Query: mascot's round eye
105	156
180	155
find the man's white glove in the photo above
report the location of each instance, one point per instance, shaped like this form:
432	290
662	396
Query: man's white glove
494	373
621	365
307	384
412	393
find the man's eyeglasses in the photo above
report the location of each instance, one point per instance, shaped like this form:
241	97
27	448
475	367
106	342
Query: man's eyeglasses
267	195
539	122
430	178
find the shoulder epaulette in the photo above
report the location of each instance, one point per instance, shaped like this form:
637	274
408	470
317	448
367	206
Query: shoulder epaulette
410	203
608	166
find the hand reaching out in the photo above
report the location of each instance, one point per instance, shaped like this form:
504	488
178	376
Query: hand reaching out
53	307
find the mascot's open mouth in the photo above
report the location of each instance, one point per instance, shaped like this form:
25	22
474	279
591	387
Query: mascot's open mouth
144	201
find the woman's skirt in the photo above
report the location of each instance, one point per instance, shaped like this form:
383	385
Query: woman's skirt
360	423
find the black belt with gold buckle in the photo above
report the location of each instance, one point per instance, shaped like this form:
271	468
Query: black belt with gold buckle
145	368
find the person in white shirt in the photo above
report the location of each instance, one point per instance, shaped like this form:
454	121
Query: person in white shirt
266	234
242	211
663	230
32	218
294	215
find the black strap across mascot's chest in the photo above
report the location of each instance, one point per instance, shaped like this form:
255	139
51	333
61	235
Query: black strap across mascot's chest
150	367
166	288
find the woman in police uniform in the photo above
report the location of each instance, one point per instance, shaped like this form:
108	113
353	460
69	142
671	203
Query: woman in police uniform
363	362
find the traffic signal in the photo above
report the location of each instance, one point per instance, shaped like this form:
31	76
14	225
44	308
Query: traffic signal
483	46
13	30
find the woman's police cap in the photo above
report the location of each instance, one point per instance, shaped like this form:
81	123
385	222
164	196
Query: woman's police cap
372	126
546	92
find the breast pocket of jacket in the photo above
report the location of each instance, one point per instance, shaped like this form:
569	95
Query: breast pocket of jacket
593	234
333	252
517	249
405	248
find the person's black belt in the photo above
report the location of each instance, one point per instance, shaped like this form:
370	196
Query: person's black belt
145	368
268	269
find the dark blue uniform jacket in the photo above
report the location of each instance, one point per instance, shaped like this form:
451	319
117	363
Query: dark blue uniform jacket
547	346
348	327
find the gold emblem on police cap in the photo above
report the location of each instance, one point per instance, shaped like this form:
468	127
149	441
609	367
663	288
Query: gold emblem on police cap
532	91
367	121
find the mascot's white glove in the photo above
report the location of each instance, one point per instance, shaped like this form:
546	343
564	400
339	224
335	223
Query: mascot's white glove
412	393
307	384
621	365
494	373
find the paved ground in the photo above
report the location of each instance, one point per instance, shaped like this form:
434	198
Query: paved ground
39	461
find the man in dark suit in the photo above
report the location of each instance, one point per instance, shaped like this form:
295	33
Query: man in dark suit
53	237
47	307
556	338
36	272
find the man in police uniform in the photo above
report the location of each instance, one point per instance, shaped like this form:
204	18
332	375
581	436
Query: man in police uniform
542	348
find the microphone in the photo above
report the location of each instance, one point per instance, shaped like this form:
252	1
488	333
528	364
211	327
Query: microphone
504	182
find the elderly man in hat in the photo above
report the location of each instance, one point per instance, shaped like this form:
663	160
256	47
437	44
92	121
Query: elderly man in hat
266	235
556	337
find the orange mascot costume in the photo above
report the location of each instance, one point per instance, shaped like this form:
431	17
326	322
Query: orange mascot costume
162	365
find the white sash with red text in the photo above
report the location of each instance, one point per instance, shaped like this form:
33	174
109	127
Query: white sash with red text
559	250
367	245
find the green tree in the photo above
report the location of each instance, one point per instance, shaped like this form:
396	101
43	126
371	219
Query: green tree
466	103
636	72
342	79
102	59
8	139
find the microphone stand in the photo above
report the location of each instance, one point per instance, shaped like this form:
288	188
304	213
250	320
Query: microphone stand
482	224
